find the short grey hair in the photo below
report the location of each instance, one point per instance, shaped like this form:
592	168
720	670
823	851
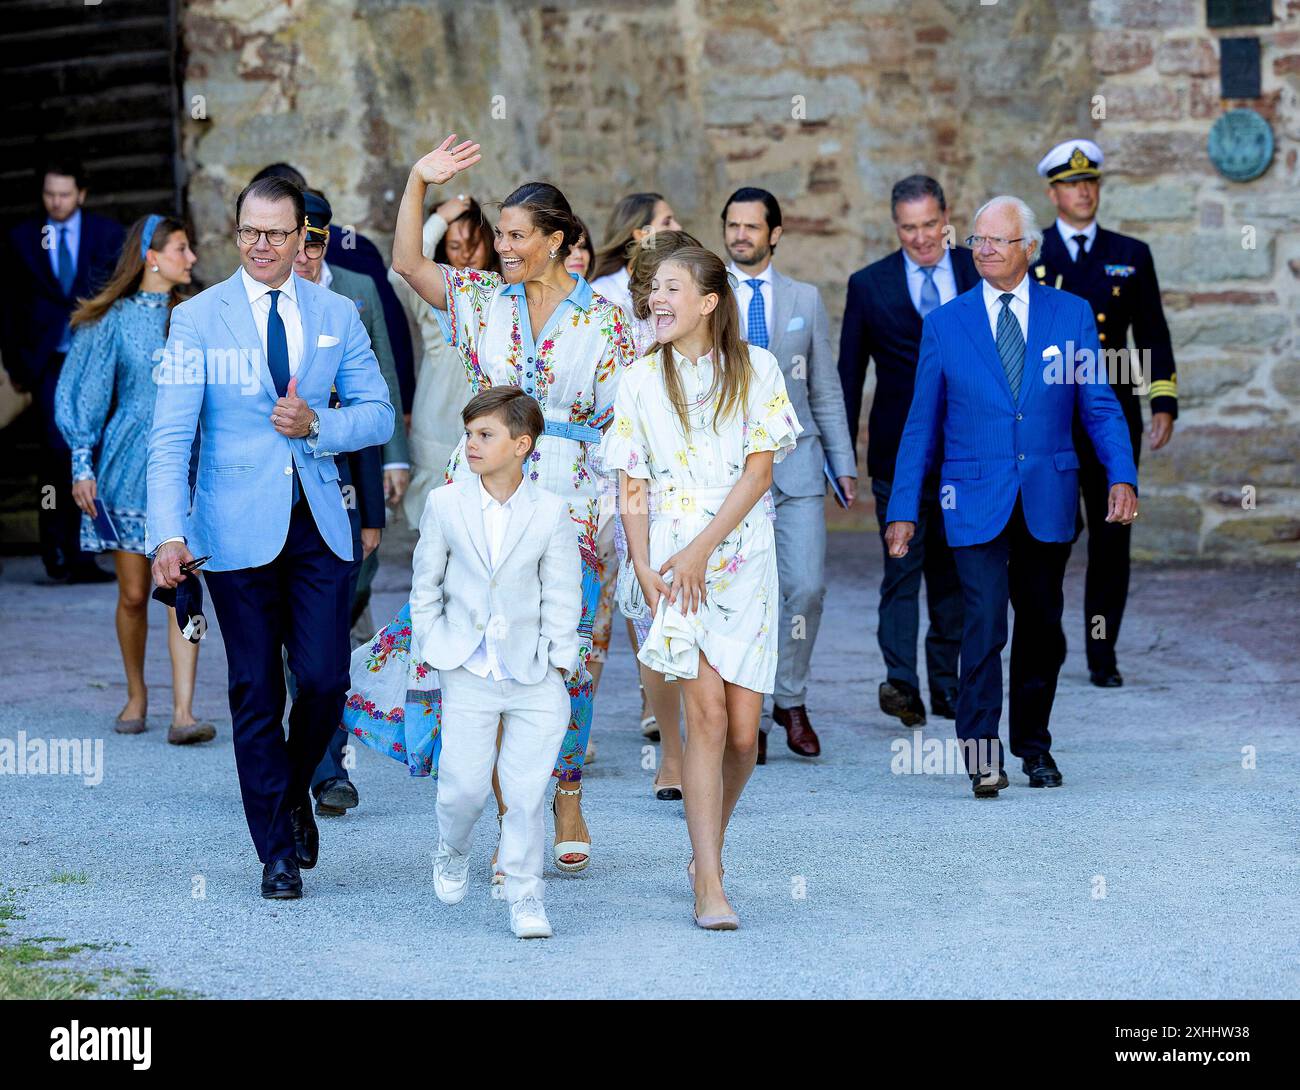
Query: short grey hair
1028	227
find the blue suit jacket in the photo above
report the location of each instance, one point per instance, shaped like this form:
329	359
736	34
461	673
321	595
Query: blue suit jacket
996	448
214	376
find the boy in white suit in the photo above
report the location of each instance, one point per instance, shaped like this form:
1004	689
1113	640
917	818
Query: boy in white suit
496	598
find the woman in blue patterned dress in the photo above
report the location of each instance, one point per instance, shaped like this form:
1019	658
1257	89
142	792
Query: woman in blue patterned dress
104	408
541	328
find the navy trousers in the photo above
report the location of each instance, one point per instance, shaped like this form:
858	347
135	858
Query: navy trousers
1029	573
299	602
928	555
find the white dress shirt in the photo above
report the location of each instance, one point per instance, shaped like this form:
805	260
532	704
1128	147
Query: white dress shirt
326	277
944	279
485	661
1019	306
1067	236
259	300
744	294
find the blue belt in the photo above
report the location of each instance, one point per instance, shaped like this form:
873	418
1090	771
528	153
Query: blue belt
580	433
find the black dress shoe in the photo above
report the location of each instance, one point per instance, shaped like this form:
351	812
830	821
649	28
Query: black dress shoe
900	700
336	797
762	748
306	837
943	705
281	880
985	786
1042	771
1105	679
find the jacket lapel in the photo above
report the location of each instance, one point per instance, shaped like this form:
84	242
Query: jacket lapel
976	320
899	302
309	313
521	518
471	509
1042	310
238	316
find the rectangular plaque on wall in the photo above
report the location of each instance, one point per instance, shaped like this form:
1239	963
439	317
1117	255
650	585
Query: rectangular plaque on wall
1239	67
1220	13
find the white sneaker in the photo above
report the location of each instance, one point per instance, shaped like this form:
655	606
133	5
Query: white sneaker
528	919
450	874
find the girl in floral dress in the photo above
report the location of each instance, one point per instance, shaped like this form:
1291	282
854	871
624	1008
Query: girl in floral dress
538	327
697	426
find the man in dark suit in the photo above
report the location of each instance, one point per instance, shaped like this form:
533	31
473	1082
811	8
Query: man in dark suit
53	260
1117	277
1003	370
886	304
361	478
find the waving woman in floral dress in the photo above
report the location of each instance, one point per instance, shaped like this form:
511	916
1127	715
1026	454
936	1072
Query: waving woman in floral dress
539	327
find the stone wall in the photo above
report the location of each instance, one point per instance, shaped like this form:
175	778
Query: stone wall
825	103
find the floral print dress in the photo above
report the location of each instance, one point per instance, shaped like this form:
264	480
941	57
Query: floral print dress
572	368
690	477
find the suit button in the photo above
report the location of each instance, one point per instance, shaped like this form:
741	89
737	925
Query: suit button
1021	457
1020	416
1101	337
1101	317
478	628
288	471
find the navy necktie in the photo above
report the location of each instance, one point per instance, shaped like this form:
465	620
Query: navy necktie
67	264
277	347
756	322
929	291
277	360
1081	251
1011	345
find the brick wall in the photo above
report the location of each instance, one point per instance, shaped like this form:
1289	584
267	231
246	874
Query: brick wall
826	103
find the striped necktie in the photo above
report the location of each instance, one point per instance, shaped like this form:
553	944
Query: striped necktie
1011	345
756	322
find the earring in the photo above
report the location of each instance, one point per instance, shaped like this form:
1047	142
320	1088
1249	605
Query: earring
153	268
554	254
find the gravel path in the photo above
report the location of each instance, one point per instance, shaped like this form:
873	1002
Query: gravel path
1162	869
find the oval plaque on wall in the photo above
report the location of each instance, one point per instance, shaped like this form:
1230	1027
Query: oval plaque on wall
1241	145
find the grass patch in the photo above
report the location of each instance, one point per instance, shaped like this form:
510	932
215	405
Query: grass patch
71	877
50	968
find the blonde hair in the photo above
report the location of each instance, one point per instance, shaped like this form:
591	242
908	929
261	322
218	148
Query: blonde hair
729	390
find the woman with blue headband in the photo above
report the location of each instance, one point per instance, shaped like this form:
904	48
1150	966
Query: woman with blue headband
104	408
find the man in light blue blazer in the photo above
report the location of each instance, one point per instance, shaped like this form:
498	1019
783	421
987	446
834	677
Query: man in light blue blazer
787	317
1001	371
250	363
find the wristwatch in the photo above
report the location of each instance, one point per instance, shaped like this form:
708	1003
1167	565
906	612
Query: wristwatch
313	429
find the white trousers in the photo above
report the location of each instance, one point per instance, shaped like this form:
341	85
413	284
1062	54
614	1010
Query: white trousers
534	719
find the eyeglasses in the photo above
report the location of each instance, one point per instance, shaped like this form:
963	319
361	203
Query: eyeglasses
249	236
976	242
313	249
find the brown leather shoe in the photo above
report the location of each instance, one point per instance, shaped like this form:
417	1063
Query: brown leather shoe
762	748
800	736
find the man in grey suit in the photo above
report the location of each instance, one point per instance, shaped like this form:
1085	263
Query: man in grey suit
787	318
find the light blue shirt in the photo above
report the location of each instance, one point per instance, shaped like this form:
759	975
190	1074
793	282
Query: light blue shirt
944	279
1067	236
72	225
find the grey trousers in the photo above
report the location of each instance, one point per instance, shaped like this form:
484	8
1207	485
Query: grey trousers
801	568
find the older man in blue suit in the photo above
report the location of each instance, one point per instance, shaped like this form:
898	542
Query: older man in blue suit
251	364
1002	369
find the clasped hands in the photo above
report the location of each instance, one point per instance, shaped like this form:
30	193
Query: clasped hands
688	567
292	416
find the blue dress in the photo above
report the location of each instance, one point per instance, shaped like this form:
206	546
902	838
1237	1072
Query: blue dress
104	408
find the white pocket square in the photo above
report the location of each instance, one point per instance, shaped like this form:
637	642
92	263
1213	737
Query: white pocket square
326	341
795	323
1048	353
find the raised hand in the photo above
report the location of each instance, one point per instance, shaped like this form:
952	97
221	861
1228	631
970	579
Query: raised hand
446	161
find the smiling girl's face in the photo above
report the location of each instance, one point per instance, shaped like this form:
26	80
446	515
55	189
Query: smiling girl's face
677	308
